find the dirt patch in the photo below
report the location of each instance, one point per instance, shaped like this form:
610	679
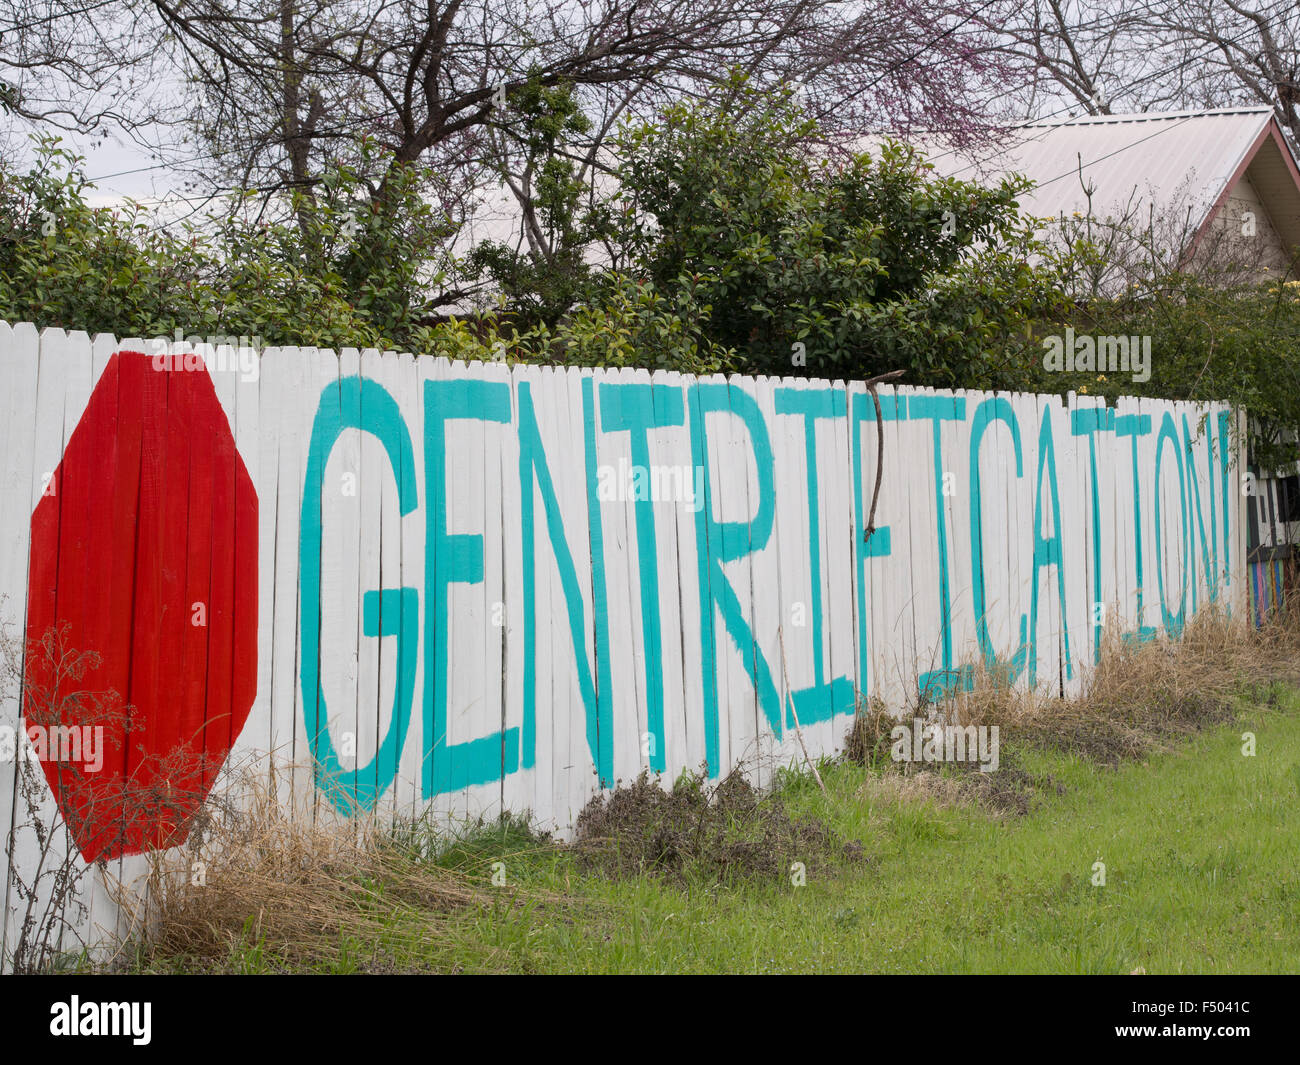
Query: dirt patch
721	833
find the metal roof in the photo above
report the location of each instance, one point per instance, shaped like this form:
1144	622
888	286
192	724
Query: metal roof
1184	158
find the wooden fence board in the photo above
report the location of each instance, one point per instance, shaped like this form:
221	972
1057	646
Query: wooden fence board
564	628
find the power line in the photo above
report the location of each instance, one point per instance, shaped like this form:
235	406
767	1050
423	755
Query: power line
212	156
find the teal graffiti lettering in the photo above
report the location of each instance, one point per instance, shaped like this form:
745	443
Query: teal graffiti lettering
1047	549
725	541
1210	548
1133	426
1225	419
938	683
454	558
822	701
1173	621
535	477
355	403
637	409
989	411
1088	423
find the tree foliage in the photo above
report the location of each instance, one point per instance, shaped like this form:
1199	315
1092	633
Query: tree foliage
1208	343
850	265
546	272
65	262
729	244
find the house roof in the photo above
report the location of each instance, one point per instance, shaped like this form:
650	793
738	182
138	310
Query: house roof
1187	159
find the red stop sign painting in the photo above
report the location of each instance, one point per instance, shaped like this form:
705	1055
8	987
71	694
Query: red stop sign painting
142	608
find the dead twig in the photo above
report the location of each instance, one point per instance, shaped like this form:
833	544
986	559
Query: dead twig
785	673
880	448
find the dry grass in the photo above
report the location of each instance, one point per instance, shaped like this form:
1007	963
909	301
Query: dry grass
1146	696
1141	697
298	888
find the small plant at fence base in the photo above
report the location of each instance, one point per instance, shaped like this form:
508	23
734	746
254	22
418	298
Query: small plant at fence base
724	832
75	815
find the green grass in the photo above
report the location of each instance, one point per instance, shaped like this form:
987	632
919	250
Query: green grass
1201	847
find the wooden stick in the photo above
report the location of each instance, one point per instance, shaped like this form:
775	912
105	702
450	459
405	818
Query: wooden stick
880	449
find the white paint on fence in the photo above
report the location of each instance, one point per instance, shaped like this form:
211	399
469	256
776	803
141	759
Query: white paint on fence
492	632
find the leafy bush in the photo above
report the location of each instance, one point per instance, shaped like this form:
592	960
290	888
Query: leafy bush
64	262
869	262
1235	345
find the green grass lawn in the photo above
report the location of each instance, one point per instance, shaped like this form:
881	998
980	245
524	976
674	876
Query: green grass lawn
1200	847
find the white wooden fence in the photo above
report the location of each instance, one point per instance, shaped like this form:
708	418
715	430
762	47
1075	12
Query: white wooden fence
482	587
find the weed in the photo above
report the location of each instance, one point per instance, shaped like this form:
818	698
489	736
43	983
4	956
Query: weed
725	832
